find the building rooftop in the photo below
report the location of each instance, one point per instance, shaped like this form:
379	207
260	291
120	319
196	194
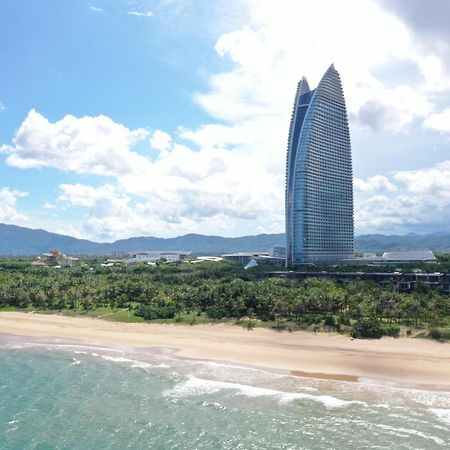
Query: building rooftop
159	252
249	254
395	257
416	255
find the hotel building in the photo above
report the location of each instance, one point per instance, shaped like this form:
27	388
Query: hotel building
319	181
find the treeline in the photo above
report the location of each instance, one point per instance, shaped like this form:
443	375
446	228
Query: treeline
221	290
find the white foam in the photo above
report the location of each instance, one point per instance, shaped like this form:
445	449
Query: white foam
400	431
141	365
162	366
431	399
75	362
13	346
118	359
199	386
244	374
134	363
214	405
441	413
245	368
79	347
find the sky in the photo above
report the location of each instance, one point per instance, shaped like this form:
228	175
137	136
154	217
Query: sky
123	118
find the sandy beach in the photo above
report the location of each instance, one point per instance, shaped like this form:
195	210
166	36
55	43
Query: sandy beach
402	362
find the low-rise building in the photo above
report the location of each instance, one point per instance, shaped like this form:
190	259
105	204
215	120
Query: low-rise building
153	256
278	251
200	259
54	258
397	257
260	258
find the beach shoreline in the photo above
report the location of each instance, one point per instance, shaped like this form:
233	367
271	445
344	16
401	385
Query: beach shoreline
401	362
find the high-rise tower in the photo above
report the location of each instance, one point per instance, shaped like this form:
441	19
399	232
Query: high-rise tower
319	181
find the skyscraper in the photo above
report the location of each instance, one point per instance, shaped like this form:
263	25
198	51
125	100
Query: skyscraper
319	181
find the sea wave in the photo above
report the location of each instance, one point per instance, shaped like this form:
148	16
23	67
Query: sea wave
442	414
119	359
200	386
438	399
134	362
215	364
402	432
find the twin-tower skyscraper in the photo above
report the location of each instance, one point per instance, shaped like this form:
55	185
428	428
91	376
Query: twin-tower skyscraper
319	180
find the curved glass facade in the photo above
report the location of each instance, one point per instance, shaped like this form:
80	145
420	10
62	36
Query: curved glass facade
319	180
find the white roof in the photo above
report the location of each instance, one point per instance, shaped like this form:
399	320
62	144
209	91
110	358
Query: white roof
209	258
247	254
416	255
159	252
252	263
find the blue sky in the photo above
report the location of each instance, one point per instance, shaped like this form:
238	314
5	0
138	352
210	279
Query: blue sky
121	118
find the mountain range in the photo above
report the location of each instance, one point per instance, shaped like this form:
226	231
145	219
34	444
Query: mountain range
20	241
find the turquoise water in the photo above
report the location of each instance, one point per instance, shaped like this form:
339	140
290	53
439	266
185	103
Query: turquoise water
74	397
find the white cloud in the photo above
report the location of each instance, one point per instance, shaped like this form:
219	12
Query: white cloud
140	13
210	190
439	121
273	51
223	136
160	140
113	214
8	209
207	181
109	213
420	202
182	190
87	196
429	24
2	107
94	145
434	181
95	8
376	183
49	206
393	110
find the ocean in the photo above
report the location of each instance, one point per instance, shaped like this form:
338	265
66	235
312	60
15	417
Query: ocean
59	396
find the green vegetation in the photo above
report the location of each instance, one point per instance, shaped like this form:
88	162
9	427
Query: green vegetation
367	328
435	334
222	292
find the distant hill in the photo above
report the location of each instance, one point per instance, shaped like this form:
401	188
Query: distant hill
198	243
19	241
438	242
16	240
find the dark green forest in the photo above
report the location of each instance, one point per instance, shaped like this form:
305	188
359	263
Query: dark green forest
223	292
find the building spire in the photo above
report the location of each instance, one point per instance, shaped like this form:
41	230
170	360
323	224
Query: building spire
303	86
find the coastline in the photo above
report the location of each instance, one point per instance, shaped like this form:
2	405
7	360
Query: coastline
401	362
